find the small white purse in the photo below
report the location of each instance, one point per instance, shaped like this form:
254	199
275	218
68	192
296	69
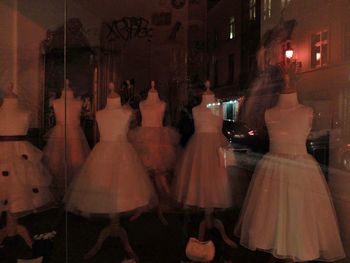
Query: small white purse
200	251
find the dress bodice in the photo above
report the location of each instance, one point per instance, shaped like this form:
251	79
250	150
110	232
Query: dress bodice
67	112
206	121
152	114
288	129
14	121
113	124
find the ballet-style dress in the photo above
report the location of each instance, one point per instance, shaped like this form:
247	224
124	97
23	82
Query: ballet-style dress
156	145
200	180
113	179
67	148
24	181
288	210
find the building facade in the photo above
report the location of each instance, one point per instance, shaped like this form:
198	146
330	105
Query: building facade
233	38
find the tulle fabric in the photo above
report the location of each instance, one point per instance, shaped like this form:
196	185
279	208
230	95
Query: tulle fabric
289	212
24	182
200	180
65	153
156	146
113	180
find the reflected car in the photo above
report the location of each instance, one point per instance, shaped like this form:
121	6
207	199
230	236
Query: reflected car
242	136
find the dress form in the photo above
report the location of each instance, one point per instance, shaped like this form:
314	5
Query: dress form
10	111
115	229
290	175
199	183
155	152
66	145
209	220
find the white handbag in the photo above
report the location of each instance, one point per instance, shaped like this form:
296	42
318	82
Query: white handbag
200	251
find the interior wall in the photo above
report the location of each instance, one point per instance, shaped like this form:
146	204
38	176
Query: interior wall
24	25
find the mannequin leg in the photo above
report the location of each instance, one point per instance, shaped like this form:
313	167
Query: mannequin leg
162	184
210	222
113	230
13	229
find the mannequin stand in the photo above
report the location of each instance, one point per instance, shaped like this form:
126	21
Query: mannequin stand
163	192
113	230
13	229
274	260
210	222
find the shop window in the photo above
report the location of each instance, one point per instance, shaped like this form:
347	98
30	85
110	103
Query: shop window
252	10
284	3
267	9
319	49
232	28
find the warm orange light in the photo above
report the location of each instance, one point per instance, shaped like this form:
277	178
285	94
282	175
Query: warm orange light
318	56
289	53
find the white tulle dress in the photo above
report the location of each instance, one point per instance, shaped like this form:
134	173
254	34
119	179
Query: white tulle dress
200	180
24	182
156	145
288	210
113	179
67	148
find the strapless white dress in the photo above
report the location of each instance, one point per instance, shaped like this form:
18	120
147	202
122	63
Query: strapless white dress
200	180
113	179
288	210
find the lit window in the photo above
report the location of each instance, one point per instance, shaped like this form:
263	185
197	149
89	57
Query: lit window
319	49
267	9
347	42
252	9
232	28
284	3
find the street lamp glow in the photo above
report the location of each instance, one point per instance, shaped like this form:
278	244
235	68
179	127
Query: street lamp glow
289	53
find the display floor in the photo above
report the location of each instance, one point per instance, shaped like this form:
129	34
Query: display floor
152	241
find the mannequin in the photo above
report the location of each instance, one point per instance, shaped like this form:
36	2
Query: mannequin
67	147
112	180
200	183
288	195
155	144
24	182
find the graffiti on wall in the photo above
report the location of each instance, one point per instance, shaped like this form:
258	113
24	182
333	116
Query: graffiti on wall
128	28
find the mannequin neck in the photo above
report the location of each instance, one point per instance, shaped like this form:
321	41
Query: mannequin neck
288	100
10	104
152	97
67	94
207	98
113	103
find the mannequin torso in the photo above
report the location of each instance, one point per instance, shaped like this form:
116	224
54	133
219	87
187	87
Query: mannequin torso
113	121
207	118
289	124
67	109
9	112
152	110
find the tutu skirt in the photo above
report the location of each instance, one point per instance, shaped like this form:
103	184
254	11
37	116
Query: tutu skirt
65	151
200	180
288	211
112	180
157	147
24	182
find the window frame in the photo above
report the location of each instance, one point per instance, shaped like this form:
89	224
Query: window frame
320	44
